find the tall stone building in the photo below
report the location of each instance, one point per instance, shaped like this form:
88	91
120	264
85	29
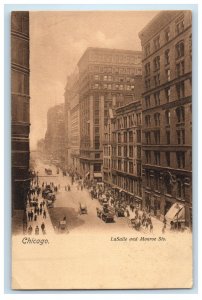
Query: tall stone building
107	78
167	114
122	162
72	123
20	103
55	134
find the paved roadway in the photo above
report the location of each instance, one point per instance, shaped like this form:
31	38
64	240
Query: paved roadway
67	204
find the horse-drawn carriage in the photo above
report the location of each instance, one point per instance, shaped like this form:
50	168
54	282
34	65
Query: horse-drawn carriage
106	214
62	226
103	199
48	171
120	211
134	223
82	209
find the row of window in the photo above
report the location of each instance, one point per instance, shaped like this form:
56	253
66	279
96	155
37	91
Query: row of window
165	185
166	94
113	78
180	137
127	166
120	87
156	158
116	70
179	112
126	151
158	42
179	87
129	184
128	121
130	59
156	61
125	137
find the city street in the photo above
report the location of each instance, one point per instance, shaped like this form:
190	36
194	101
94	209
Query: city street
67	206
68	202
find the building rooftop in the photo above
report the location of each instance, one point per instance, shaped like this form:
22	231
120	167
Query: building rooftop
161	20
109	50
138	102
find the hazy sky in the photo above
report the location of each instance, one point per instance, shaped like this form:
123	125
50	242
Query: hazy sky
57	41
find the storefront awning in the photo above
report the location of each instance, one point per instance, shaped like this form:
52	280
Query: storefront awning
176	213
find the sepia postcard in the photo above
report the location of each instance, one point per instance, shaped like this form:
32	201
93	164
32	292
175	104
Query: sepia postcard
101	149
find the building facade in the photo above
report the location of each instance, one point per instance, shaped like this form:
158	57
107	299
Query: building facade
55	135
20	104
167	113
122	167
72	123
107	78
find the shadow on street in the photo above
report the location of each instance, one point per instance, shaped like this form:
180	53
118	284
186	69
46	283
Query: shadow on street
58	213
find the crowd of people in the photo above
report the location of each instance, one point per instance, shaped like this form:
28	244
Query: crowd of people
36	208
108	197
111	199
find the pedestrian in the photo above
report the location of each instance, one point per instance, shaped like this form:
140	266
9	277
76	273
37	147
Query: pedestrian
37	230
44	214
29	230
35	217
40	204
37	211
43	227
31	215
43	203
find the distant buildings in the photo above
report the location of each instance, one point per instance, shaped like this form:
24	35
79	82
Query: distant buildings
72	123
107	78
20	104
122	162
55	134
167	113
41	146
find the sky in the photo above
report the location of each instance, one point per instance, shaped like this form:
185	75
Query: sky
58	40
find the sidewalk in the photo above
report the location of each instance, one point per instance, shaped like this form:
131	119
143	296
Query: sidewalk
40	219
